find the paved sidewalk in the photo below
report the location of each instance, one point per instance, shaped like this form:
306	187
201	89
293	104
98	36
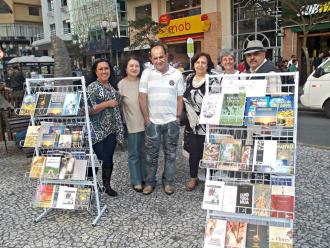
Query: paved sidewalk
157	220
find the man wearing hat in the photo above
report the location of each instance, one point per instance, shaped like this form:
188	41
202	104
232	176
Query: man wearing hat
255	54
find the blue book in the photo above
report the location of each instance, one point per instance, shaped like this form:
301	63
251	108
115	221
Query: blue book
250	108
71	103
265	116
285	108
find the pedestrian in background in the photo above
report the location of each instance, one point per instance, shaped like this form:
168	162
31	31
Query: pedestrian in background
241	66
105	119
318	60
160	96
129	91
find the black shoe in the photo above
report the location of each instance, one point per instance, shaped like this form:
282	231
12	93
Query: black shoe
110	191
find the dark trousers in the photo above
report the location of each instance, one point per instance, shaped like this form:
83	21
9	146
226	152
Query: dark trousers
196	147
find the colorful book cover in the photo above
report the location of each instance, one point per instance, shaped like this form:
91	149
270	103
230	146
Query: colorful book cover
211	152
257	236
28	105
215	233
285	110
244	199
83	198
261	202
48	141
217	138
250	108
56	103
282	201
31	137
77	138
65	141
37	166
229	199
265	116
213	195
66	197
211	108
66	168
232	111
43	129
245	164
42	104
79	172
44	196
236	234
71	103
280	237
284	158
52	167
230	155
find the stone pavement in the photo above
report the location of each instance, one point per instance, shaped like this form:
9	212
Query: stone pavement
157	220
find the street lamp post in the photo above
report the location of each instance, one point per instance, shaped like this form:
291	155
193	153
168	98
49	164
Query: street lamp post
104	26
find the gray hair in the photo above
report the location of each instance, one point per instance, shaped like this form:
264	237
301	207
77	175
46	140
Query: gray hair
226	52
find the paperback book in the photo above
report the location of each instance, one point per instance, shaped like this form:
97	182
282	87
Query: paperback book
215	233
48	141
261	203
83	198
244	199
66	168
37	166
31	137
280	237
230	155
236	234
52	167
282	201
264	157
42	104
79	172
213	195
285	110
245	163
211	152
55	107
66	197
44	196
252	88
232	110
71	103
211	108
257	236
229	199
250	108
28	105
65	141
265	116
284	158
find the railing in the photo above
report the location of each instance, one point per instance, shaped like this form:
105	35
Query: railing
20	30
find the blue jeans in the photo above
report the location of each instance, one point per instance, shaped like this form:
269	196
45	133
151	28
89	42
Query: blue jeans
169	135
136	157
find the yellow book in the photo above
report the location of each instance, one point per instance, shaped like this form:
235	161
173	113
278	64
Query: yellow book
31	136
37	166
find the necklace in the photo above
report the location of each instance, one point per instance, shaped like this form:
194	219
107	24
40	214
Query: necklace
198	82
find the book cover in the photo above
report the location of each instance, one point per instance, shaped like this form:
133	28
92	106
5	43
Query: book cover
229	199
232	110
217	138
48	141
284	158
252	88
79	171
57	129
257	236
250	108
281	180
43	129
215	233
211	108
71	103
83	198
77	138
65	141
28	105
42	104
55	106
66	197
211	152
31	137
264	156
66	168
213	195
235	234
37	166
52	167
44	196
261	203
230	155
285	107
280	237
244	199
282	201
265	116
80	155
245	164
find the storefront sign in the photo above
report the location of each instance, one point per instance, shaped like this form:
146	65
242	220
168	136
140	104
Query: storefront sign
190	47
164	19
315	8
187	25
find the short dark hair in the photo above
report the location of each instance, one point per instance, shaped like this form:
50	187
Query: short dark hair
210	64
112	78
155	44
124	66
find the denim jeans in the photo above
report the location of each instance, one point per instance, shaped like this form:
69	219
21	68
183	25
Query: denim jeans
136	157
168	134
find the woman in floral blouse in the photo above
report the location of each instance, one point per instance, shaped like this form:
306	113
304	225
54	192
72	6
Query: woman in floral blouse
105	118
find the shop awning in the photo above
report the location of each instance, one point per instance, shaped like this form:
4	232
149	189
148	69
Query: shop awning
317	27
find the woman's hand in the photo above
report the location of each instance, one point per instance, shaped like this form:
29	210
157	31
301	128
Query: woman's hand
111	103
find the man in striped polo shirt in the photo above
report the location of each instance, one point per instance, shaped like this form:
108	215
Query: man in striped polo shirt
160	96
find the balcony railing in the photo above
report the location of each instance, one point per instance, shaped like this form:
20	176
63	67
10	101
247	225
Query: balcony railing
20	30
41	36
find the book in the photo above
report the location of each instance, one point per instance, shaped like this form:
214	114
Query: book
244	199
83	198
250	108
215	233
37	166
213	195
77	138
48	141
31	137
44	196
281	180
229	199
261	202
79	171
28	104
235	234
245	164
66	197
282	201
264	156
56	130
44	129
71	103
280	237
257	236
252	88
52	167
211	152
56	103
230	154
211	108
285	110
284	158
217	138
265	116
66	168
65	141
232	110
42	104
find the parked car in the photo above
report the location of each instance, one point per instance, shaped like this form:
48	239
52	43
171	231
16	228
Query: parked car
317	89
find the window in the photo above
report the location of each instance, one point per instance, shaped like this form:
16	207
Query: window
64	3
179	9
143	11
34	10
50	4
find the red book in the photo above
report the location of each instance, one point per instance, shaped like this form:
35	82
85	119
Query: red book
283	203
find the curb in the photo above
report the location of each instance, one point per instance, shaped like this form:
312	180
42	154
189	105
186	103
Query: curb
315	146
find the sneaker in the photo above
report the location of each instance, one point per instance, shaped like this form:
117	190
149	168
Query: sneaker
168	189
148	190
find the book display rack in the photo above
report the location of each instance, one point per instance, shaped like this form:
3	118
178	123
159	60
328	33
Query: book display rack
250	157
63	164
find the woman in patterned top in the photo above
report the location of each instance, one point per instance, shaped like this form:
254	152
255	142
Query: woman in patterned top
193	98
105	118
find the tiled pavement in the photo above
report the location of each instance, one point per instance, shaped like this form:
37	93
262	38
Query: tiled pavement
157	220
